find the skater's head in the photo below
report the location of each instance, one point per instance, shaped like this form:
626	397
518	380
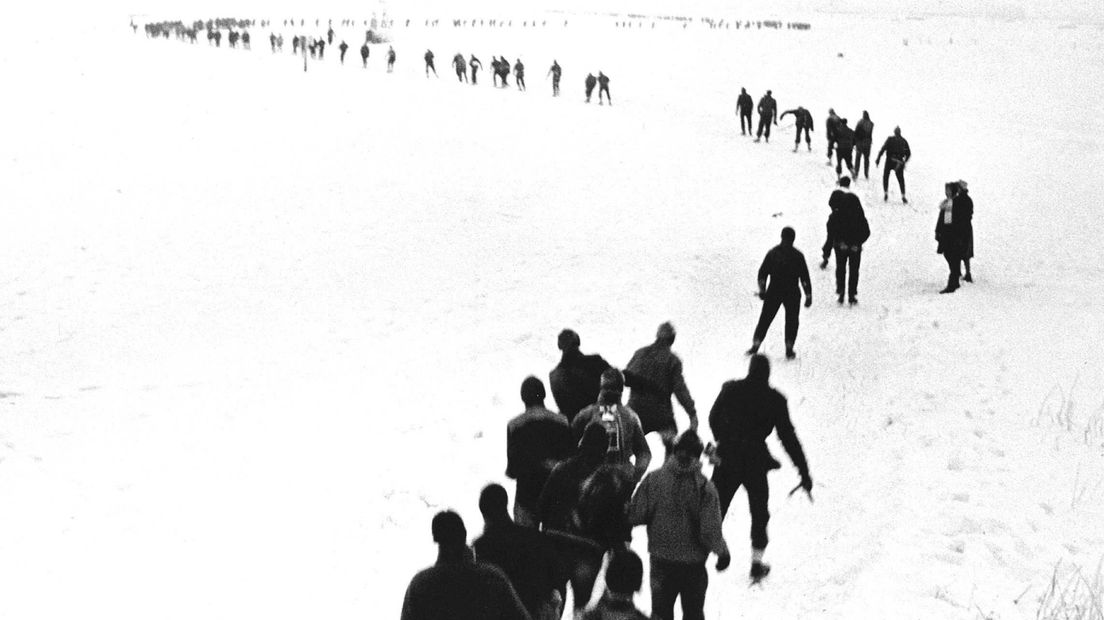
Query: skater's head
688	447
897	131
788	236
743	91
831	111
866	115
843	121
624	573
568	341
768	93
665	334
448	529
962	186
845	182
612	382
950	189
759	369
532	392
492	502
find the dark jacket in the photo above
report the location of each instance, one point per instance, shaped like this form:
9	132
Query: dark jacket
845	138
802	118
558	501
603	505
768	107
896	149
627	446
830	126
956	237
744	415
847	225
744	104
536	441
682	510
525	555
591	81
654	374
785	267
462	590
575	382
864	132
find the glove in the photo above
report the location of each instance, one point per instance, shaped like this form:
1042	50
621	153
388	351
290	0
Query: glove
723	561
824	264
762	294
808	301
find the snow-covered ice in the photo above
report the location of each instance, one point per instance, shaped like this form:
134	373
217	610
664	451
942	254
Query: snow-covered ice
257	325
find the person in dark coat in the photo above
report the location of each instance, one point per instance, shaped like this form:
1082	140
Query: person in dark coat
830	127
626	446
744	106
952	231
591	82
845	143
525	555
785	267
848	230
603	88
344	47
536	441
456	587
803	120
897	153
864	132
967	207
768	110
429	64
519	74
390	58
575	381
321	49
364	53
461	67
744	415
624	576
681	508
555	71
475	67
653	375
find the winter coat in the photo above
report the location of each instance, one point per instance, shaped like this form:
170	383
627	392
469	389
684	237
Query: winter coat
847	225
558	500
653	374
864	133
845	138
768	107
603	505
956	238
525	555
744	415
536	441
575	382
802	118
831	125
682	510
896	150
785	267
462	590
744	104
626	436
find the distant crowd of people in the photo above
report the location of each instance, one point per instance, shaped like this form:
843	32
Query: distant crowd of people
583	483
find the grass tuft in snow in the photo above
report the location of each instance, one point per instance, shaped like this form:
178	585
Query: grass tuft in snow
1072	595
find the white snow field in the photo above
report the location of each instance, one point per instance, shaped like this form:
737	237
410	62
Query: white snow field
258	325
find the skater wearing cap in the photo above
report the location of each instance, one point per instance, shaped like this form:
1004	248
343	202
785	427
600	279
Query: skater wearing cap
784	267
745	413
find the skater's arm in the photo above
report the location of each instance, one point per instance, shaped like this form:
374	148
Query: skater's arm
806	283
764	272
718	420
640	449
790	442
682	394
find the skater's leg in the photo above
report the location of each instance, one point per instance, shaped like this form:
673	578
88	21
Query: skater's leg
793	310
854	260
694	585
727	482
758	493
770	310
841	271
665	581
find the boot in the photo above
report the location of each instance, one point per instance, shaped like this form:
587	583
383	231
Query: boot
790	350
903	199
759	570
952	285
795	148
852	300
754	348
839	299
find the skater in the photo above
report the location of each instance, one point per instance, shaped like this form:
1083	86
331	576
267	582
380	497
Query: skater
864	130
461	67
555	72
845	143
784	266
848	229
390	58
525	555
429	64
803	120
330	36
743	416
830	127
364	53
245	40
272	41
456	587
768	110
576	380
343	48
681	508
475	67
654	374
603	88
503	71
624	576
744	105
519	74
295	45
897	153
626	445
321	49
591	81
953	230
536	441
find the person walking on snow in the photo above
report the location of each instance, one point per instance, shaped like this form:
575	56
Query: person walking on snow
744	106
864	131
475	67
768	110
429	64
848	230
626	446
461	67
785	268
897	153
364	52
953	230
845	143
536	441
603	88
555	72
654	374
343	48
519	74
591	81
576	380
745	413
830	127
390	58
803	120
